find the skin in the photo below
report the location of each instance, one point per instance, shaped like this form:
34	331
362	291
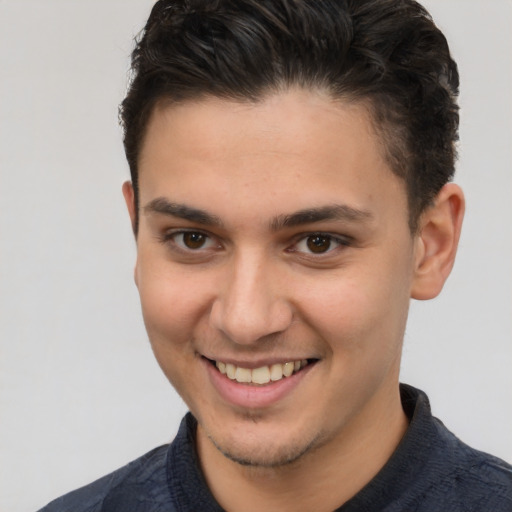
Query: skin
254	293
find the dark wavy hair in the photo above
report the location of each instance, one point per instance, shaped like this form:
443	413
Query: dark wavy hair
388	54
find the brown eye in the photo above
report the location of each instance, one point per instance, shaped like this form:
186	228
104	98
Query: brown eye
193	240
318	243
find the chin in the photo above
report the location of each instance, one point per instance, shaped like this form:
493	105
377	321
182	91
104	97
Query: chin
269	451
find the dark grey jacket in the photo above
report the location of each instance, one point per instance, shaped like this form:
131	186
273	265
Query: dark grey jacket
430	471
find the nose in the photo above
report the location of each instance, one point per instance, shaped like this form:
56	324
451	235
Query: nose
250	304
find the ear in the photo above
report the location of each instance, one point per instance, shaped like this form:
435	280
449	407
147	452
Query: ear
436	242
129	197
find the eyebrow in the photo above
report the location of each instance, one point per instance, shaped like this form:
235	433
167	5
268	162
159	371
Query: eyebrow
338	212
311	215
182	211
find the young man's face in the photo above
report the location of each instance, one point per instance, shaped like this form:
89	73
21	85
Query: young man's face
272	234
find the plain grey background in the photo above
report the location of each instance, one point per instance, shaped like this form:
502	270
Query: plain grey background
80	393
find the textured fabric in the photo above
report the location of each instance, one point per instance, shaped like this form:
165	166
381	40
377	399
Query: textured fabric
430	471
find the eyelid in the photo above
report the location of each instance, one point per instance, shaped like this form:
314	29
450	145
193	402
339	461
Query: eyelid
340	240
168	237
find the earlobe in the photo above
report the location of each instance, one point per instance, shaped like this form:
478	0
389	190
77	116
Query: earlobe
129	197
437	241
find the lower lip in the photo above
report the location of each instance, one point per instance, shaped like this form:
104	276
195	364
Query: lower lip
254	396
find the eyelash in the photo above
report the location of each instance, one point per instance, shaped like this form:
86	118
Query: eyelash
170	238
303	238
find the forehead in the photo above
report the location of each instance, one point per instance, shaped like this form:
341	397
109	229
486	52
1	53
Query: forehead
212	123
298	148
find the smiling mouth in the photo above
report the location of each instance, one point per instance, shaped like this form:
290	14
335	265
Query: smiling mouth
262	375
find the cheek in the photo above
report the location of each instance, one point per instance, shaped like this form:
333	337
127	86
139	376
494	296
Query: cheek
366	308
171	310
172	302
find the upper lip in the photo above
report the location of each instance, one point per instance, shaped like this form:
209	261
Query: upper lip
257	363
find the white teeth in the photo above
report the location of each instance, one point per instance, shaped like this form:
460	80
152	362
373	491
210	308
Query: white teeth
276	372
262	375
287	369
230	371
243	375
221	366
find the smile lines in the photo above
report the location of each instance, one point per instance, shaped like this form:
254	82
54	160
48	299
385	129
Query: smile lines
262	375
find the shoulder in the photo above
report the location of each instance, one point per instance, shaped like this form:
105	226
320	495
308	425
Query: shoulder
482	480
432	469
466	479
144	480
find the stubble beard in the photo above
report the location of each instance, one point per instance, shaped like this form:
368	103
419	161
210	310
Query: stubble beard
266	457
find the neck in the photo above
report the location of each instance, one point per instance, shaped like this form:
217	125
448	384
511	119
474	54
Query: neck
321	480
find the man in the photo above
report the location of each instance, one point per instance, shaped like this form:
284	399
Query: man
291	165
